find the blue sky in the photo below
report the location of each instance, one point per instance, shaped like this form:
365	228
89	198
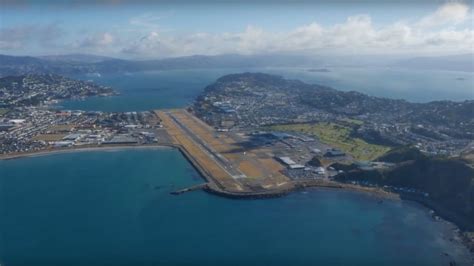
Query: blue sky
153	30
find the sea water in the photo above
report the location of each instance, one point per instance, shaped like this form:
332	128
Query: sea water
115	208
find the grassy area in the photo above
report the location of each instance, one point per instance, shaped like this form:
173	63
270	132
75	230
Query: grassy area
338	136
3	111
61	128
49	137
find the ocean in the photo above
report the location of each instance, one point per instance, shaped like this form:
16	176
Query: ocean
115	208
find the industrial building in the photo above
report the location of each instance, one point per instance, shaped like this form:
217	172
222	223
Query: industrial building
121	139
288	162
73	137
334	153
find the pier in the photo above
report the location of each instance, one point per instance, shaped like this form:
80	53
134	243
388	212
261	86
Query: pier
188	189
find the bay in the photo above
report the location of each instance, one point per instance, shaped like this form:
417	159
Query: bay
115	208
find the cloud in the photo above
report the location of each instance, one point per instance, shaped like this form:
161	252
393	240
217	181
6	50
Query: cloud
357	34
449	13
99	41
443	31
19	37
463	39
150	44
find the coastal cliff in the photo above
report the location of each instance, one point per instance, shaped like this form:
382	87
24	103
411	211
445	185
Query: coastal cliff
445	182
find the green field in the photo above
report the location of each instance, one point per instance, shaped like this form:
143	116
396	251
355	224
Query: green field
337	136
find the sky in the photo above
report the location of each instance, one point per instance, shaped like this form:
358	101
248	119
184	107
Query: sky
159	29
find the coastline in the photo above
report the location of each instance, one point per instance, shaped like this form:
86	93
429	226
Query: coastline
212	186
14	156
374	191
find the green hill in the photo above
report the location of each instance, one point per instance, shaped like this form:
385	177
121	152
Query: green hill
402	154
449	182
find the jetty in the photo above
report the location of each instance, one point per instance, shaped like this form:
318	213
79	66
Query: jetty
188	189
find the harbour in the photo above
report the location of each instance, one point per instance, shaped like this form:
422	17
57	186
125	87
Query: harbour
93	203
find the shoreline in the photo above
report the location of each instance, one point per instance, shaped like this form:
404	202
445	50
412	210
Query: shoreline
212	186
374	191
14	156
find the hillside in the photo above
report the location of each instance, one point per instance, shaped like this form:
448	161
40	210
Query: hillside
448	182
402	154
251	100
78	58
28	90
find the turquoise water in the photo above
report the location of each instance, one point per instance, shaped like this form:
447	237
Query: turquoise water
177	88
114	208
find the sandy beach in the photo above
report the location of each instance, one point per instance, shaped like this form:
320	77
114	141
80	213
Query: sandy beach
81	149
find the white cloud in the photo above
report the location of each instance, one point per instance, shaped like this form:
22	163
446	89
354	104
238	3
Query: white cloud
97	40
358	34
443	31
151	44
449	13
463	39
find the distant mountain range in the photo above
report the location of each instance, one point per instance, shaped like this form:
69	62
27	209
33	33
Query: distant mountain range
78	63
76	58
83	63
